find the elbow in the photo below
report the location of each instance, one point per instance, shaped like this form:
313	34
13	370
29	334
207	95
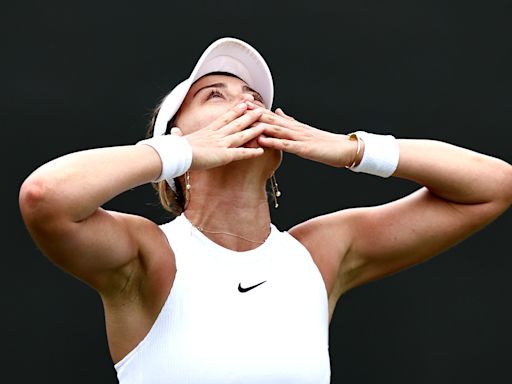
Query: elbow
508	184
503	196
37	201
31	196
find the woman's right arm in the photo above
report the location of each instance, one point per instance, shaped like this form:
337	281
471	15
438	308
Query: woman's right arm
61	202
61	205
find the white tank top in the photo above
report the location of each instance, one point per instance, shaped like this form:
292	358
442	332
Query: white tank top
253	317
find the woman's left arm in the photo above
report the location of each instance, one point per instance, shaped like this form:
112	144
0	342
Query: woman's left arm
455	174
462	192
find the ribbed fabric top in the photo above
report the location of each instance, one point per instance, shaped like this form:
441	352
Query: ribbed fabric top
210	332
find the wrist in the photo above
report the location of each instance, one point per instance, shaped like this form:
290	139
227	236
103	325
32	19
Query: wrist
356	150
175	155
380	154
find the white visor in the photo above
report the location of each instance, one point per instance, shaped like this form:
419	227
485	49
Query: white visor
223	55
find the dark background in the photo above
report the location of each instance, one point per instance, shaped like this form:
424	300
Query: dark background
78	75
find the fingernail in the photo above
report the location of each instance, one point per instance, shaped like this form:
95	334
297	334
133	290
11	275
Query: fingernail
242	106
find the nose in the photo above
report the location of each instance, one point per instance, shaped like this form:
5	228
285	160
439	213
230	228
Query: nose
246	97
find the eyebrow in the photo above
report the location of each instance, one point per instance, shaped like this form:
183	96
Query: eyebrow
215	85
245	88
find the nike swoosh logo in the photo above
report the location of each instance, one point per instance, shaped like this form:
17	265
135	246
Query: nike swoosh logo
243	290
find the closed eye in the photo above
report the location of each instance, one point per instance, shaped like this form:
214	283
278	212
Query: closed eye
215	93
255	94
257	97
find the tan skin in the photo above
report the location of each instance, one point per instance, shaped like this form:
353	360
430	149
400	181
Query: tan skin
128	260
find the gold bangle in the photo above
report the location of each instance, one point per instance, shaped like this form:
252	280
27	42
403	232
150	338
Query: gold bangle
353	136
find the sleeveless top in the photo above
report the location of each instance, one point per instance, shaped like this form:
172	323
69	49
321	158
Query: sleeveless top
259	316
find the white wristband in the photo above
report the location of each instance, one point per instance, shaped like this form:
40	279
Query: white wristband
175	153
381	154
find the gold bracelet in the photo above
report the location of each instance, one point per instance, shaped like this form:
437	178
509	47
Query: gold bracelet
353	136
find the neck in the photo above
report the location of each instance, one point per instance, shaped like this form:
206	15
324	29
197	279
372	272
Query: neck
231	211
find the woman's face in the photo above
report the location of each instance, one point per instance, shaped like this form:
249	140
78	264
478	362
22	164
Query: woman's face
213	95
210	97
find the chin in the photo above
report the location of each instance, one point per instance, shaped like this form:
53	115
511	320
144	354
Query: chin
269	161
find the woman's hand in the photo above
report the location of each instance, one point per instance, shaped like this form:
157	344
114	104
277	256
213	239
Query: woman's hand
285	133
221	141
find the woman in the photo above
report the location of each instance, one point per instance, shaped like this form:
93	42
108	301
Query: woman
219	295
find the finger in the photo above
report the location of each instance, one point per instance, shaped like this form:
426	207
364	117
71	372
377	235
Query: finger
229	116
251	105
270	117
245	153
239	138
280	112
176	131
242	122
278	131
289	146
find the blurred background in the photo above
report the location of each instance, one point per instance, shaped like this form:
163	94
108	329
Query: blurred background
79	75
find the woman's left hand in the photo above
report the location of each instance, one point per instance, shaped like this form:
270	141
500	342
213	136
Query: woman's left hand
284	133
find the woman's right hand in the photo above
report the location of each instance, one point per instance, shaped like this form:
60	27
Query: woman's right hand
220	142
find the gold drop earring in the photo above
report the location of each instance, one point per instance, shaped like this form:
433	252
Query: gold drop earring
275	190
188	187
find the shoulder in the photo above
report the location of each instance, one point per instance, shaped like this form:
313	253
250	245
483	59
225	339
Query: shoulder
327	238
325	233
155	258
146	233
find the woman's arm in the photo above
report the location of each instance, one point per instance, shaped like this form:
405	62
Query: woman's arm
456	174
463	191
60	204
61	201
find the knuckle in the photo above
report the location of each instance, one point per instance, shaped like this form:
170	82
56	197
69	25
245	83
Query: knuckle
304	150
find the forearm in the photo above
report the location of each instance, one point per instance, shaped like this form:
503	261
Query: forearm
454	173
78	183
